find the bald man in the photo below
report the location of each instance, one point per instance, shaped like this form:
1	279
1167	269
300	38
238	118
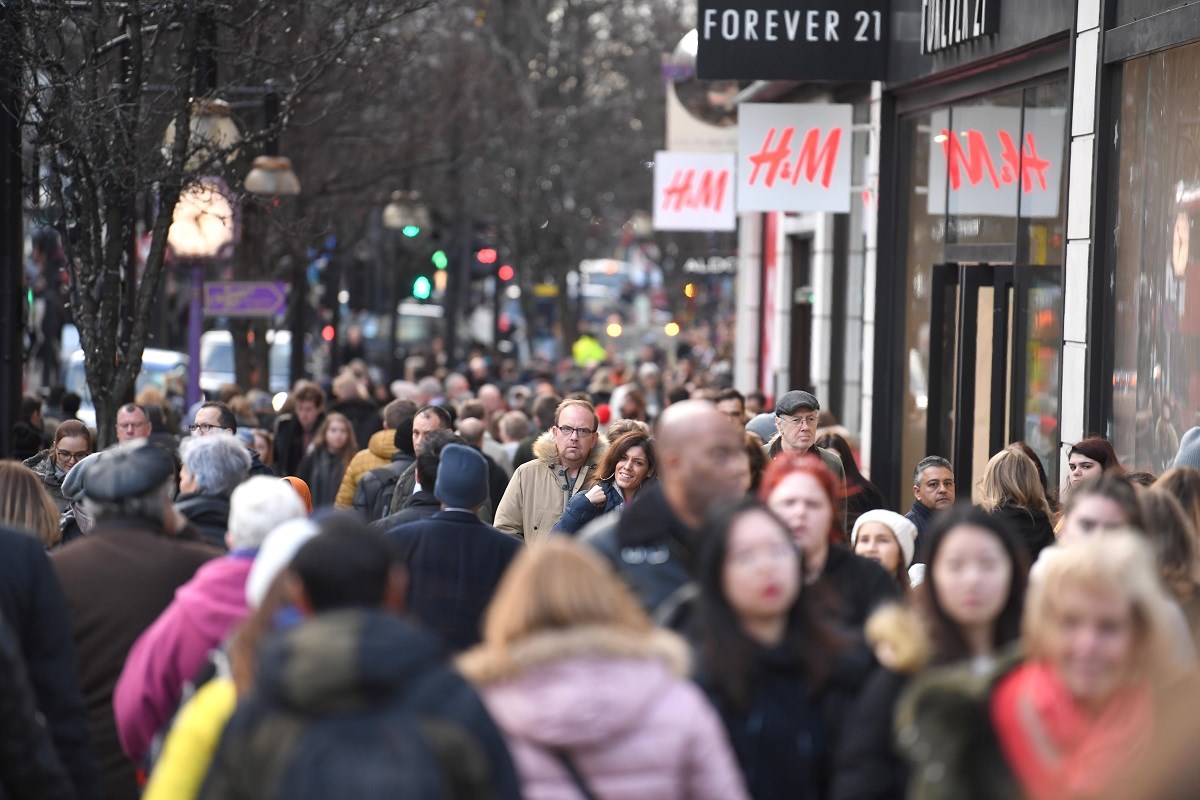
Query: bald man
652	544
472	431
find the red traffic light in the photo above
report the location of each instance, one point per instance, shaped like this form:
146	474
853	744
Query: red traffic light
486	256
505	273
327	333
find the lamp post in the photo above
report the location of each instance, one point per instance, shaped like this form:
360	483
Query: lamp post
407	215
201	226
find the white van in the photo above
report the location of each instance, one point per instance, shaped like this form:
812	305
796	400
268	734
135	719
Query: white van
157	365
216	361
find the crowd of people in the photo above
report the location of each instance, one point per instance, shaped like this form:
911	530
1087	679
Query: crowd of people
558	586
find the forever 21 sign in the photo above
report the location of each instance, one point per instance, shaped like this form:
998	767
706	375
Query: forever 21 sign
844	40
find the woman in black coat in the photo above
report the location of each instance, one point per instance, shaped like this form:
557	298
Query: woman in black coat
1012	490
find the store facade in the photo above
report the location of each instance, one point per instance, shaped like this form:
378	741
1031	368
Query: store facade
970	295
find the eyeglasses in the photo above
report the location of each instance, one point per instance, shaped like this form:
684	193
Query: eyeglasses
568	431
807	419
65	456
204	427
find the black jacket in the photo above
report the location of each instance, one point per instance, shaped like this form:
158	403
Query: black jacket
29	766
421	505
289	444
497	483
373	495
454	563
32	605
1031	525
208	513
322	470
858	586
337	684
859	500
28	441
868	765
648	546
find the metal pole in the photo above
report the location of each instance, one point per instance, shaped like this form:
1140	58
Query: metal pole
299	298
13	236
195	329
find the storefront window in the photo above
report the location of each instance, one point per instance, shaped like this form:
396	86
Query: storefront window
1156	370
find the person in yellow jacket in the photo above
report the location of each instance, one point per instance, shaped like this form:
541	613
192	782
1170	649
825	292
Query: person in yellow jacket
378	452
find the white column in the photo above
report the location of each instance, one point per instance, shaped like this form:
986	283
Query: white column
749	311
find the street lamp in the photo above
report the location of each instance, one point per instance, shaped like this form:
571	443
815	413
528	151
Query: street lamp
408	215
201	227
272	176
213	131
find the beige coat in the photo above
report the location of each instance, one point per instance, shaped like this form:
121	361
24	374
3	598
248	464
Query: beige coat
536	498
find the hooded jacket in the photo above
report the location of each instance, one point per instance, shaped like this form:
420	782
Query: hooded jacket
539	490
333	689
618	703
380	449
44	467
172	650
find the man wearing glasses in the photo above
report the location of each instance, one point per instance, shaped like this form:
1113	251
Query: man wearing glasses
564	458
132	423
214	418
796	421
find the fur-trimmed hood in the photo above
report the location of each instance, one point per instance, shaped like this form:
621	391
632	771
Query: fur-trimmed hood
581	687
545	450
898	636
483	665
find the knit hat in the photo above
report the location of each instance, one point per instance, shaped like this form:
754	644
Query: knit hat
462	477
301	489
1189	449
904	531
275	554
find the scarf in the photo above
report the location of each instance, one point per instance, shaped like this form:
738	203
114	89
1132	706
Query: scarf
1056	748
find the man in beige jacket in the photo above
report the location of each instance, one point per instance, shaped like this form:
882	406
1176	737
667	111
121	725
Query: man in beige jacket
565	458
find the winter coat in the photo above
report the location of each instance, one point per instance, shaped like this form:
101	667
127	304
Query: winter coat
538	493
649	547
919	515
421	505
351	676
858	584
373	497
829	458
188	750
498	479
28	441
208	513
289	443
860	499
116	582
363	415
454	563
322	470
33	606
380	449
618	703
29	766
171	652
580	510
46	469
1031	525
257	466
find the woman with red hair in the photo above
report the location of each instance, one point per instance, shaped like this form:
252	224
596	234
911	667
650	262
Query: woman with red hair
805	495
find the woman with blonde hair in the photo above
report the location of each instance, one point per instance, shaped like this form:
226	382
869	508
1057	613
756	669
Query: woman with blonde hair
25	503
593	699
1012	490
1076	709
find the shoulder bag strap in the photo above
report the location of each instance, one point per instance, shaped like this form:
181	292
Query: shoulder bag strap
576	776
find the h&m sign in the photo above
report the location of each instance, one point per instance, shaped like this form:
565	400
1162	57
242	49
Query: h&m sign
794	157
694	192
946	23
842	40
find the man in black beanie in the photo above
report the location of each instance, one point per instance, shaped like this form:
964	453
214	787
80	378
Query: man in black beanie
454	560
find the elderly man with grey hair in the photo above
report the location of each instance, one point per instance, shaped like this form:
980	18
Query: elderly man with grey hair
118	579
204	612
213	466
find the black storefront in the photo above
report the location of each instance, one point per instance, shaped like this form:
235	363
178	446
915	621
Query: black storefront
971	233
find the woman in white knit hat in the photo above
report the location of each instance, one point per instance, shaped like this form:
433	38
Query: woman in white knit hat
889	539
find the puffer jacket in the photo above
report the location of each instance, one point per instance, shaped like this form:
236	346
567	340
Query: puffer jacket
580	511
618	704
539	490
44	467
380	449
335	691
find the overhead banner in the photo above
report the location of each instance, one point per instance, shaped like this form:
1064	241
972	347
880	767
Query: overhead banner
694	192
842	40
794	157
994	162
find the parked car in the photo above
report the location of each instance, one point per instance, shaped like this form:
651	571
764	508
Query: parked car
157	365
216	361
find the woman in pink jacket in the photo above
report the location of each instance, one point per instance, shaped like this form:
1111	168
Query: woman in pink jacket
594	701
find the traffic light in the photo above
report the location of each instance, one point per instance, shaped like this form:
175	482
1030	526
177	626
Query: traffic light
486	255
505	273
422	288
440	259
411	231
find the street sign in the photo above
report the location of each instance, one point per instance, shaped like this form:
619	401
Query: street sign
244	298
794	157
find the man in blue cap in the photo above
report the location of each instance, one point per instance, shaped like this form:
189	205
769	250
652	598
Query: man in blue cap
454	559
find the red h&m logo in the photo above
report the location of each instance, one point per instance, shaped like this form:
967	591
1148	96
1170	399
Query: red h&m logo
774	161
708	193
976	160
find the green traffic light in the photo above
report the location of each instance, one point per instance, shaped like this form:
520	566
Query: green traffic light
411	231
439	259
422	288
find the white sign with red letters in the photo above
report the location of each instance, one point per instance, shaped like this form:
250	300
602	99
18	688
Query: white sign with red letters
794	157
694	192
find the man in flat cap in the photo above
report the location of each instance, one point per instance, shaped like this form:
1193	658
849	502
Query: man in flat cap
796	423
118	580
